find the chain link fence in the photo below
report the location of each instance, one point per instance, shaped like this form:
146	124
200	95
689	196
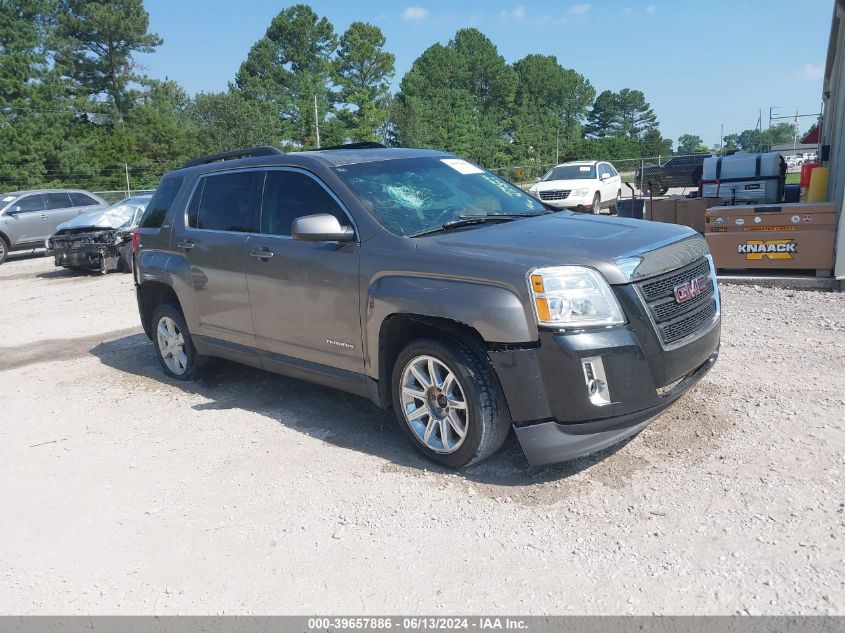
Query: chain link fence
116	196
659	175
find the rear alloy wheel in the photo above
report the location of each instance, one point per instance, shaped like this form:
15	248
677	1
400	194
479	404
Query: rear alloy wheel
449	402
173	345
596	208
4	250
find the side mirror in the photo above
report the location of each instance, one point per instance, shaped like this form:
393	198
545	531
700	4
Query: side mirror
537	179
15	209
321	227
604	176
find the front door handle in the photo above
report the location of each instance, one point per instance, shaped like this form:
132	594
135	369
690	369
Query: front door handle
185	245
261	253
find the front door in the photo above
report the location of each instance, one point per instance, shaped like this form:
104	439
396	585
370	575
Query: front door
27	219
220	216
304	295
609	186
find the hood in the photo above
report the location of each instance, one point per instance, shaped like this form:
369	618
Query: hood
555	185
118	216
562	238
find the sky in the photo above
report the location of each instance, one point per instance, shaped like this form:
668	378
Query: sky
702	64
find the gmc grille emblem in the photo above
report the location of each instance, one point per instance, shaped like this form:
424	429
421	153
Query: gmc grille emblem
690	289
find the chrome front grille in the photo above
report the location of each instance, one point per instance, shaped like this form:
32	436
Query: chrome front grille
560	194
675	320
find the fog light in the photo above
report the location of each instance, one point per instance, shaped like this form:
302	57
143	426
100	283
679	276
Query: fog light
596	381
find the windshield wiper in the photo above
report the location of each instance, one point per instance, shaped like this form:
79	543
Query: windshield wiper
470	219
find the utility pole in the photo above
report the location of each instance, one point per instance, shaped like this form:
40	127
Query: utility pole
722	141
126	168
316	122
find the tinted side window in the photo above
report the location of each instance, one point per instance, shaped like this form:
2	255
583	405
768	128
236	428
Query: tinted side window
223	202
160	204
30	203
612	170
603	170
81	200
289	195
57	200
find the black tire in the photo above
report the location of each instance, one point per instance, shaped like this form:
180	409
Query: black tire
614	208
4	249
596	208
488	422
193	360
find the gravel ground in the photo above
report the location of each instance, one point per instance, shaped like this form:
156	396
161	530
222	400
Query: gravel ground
124	492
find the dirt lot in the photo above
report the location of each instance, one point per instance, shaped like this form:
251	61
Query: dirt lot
123	492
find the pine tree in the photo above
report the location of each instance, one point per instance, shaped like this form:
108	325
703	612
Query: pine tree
363	70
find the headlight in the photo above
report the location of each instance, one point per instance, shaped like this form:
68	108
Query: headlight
573	296
579	193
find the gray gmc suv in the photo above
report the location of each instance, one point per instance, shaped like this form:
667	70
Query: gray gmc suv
427	284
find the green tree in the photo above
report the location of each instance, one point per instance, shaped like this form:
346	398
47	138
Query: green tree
228	120
96	41
458	97
690	144
163	137
636	118
288	68
363	70
550	105
33	113
603	116
623	113
778	134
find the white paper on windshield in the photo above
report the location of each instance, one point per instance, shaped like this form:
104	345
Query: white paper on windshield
460	165
584	168
8	198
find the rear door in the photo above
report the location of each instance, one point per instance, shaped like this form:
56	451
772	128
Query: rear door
59	208
212	236
304	295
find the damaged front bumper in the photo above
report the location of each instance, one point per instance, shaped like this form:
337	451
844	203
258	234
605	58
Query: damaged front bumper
91	250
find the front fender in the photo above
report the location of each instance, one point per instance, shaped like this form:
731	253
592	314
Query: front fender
495	312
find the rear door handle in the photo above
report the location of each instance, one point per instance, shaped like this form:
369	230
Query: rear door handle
185	245
261	253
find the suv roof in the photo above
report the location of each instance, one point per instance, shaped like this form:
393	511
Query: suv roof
349	154
27	191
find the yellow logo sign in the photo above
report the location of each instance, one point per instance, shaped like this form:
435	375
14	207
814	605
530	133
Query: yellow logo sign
771	249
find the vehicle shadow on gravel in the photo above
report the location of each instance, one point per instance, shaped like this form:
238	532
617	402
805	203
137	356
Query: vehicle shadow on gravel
342	419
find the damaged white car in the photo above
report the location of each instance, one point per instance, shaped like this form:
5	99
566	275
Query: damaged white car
99	240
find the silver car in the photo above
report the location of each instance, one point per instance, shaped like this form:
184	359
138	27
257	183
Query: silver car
27	218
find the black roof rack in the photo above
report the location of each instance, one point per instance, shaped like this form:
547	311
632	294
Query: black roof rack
248	152
362	145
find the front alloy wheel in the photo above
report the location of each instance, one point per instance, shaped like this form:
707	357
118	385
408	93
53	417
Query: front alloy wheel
434	404
596	209
448	401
